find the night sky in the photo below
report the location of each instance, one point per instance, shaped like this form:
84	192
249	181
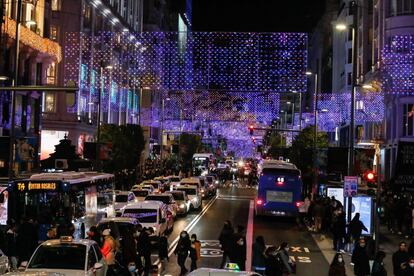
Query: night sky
256	15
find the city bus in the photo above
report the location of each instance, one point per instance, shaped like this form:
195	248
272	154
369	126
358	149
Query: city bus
62	197
279	190
203	163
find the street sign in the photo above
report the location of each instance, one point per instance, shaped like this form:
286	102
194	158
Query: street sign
350	186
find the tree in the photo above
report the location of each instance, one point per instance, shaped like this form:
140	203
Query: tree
127	145
277	145
302	150
189	144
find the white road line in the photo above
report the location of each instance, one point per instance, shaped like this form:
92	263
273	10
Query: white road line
249	237
188	228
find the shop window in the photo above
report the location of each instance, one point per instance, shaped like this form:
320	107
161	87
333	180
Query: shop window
49	102
408	120
51	74
55	5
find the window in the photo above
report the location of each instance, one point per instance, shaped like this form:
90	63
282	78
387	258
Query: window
51	74
53	33
408	120
49	104
55	5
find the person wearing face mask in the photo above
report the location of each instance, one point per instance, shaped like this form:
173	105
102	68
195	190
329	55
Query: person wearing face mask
289	267
238	248
360	259
409	268
182	249
225	241
144	249
400	258
163	251
378	268
337	267
195	251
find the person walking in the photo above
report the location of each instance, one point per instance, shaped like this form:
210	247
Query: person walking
163	252
182	249
378	268
259	257
360	259
318	214
238	248
129	250
11	246
225	241
355	228
409	268
108	250
273	263
144	249
337	267
338	229
400	259
195	251
289	267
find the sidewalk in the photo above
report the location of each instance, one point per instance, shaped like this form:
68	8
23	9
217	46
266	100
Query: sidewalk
388	243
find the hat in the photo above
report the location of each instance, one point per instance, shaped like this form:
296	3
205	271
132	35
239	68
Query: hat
106	232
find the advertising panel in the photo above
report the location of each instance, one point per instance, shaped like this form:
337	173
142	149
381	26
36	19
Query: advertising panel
363	205
350	186
338	193
4	205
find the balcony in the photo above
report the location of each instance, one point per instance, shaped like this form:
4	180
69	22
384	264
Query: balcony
32	40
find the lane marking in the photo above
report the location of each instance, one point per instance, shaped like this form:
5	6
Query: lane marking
249	237
188	228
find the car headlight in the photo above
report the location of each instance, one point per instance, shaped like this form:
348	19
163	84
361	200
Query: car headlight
217	182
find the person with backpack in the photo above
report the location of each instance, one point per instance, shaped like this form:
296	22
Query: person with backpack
273	263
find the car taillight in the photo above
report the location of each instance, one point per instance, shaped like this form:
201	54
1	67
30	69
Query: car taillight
259	202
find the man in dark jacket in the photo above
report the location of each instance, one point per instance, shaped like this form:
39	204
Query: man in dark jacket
400	259
238	248
360	259
409	268
225	241
356	226
144	249
11	246
338	229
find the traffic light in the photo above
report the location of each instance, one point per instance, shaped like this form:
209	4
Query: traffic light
370	177
251	129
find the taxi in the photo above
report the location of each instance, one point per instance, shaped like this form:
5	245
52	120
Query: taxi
67	256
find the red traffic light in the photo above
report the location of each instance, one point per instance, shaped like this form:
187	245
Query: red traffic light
370	176
251	128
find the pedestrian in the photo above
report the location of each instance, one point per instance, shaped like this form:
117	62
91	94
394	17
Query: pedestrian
360	259
195	251
129	249
27	240
338	229
378	268
289	267
144	249
355	228
93	234
318	214
11	246
408	268
163	252
259	257
108	250
274	265
238	248
154	271
182	249
400	259
337	267
225	241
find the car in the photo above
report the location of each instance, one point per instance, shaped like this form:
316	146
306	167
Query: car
211	185
148	187
140	194
193	194
154	183
168	200
165	183
150	214
121	199
182	200
119	226
65	256
198	182
220	272
174	181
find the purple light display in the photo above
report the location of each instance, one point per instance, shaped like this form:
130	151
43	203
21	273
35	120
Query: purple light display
398	66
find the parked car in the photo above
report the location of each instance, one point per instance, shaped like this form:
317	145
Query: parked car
148	187
154	183
193	194
140	194
168	200
119	226
121	199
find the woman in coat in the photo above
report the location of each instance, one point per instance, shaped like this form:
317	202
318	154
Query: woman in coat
108	250
337	267
289	266
182	249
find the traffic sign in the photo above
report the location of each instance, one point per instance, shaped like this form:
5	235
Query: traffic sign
350	186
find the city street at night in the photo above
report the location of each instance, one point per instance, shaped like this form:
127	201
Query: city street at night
207	137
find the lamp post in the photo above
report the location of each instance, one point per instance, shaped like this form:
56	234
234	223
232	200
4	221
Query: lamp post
98	120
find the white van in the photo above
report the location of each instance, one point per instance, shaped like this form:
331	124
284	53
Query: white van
150	214
198	182
121	199
193	194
